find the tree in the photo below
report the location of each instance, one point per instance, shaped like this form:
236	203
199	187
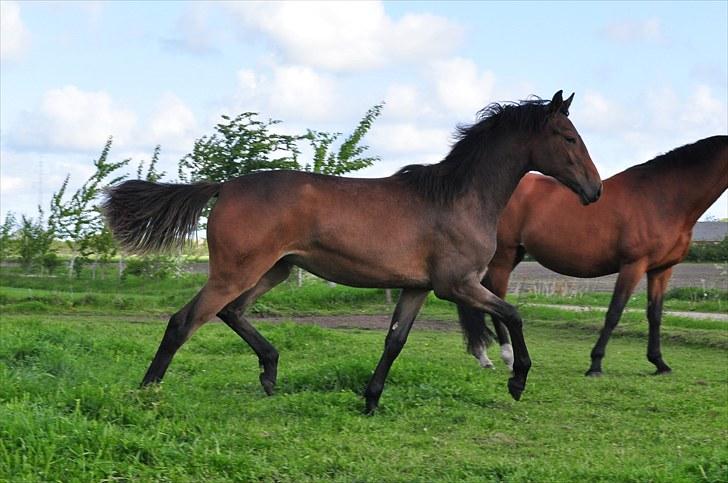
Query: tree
239	146
348	157
152	175
78	219
6	235
35	243
244	144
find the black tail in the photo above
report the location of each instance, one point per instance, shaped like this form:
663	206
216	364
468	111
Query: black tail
147	217
476	333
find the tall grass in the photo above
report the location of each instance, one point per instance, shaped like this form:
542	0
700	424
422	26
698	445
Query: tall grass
70	410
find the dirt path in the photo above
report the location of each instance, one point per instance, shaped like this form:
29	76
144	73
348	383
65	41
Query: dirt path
530	277
674	313
367	322
381	322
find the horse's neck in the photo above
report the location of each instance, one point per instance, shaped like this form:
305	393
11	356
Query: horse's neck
696	187
497	178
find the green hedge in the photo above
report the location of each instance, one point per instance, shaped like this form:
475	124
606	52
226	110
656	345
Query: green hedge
708	251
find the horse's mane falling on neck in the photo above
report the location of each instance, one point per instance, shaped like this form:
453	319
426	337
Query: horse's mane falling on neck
689	156
693	175
444	181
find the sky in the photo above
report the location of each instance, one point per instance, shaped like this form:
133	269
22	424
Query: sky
647	76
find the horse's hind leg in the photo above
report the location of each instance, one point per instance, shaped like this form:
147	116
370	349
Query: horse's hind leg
656	286
470	292
232	315
213	296
629	276
496	281
408	306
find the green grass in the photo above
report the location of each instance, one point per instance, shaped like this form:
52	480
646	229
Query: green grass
70	410
691	299
73	351
19	294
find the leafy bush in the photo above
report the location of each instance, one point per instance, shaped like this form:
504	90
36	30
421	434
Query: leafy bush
708	251
159	267
696	293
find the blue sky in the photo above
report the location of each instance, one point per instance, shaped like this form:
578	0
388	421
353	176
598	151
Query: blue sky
648	77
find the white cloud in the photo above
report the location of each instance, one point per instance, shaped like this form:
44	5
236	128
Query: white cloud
172	125
703	109
404	101
348	36
14	37
659	120
72	119
461	87
193	33
11	184
698	114
289	92
630	31
599	114
407	138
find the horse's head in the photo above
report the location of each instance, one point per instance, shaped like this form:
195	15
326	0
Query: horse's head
561	153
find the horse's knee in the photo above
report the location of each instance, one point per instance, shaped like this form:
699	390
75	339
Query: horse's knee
269	356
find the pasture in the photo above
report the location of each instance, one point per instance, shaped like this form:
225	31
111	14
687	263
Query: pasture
72	355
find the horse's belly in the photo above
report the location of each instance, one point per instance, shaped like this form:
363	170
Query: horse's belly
574	262
357	272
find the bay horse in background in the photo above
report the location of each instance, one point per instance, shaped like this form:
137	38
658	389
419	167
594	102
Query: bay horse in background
643	224
427	227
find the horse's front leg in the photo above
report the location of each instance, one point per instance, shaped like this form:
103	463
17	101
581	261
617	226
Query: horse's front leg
629	276
408	306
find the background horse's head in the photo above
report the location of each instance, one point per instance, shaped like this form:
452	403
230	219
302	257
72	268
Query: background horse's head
561	153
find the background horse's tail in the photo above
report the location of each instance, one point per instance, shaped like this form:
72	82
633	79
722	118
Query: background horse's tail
146	217
477	334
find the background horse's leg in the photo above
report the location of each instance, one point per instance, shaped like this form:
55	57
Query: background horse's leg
408	306
232	315
656	286
213	296
629	276
472	322
496	280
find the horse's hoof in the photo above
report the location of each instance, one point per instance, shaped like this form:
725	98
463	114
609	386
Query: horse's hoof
371	407
591	373
268	385
661	371
515	388
151	381
488	366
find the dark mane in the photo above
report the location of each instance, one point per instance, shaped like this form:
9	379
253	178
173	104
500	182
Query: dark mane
687	155
447	179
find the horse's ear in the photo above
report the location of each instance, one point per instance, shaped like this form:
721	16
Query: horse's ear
567	103
556	102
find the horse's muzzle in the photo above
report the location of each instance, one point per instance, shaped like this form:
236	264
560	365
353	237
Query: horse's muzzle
590	196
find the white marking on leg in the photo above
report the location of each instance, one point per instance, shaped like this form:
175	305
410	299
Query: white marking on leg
507	355
395	325
482	356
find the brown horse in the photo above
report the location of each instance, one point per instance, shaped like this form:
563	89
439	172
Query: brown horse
643	224
425	228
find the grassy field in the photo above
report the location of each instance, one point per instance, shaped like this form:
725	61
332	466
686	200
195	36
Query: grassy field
72	354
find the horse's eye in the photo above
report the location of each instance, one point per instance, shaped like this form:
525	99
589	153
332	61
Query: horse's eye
570	140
